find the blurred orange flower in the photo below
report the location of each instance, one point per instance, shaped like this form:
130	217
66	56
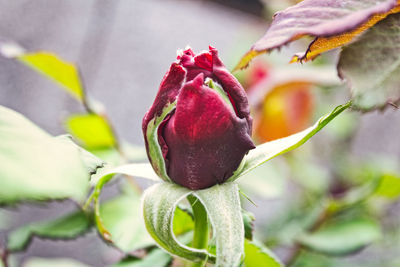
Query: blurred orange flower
286	110
282	100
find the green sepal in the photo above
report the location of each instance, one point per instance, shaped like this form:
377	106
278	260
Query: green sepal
154	149
159	204
223	208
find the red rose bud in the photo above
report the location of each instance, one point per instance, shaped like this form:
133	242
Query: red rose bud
199	127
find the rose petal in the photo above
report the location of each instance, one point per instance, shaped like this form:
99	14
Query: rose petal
232	86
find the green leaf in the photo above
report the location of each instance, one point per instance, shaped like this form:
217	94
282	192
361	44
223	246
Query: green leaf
269	150
122	218
248	221
66	227
37	166
312	259
62	72
341	237
159	204
371	65
257	255
223	208
355	195
91	162
92	130
183	222
51	262
389	186
156	258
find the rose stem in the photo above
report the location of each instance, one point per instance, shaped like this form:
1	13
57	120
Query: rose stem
201	230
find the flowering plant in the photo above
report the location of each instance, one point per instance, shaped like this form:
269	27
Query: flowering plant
198	142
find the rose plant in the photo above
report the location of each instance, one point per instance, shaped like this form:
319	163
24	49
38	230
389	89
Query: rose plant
197	134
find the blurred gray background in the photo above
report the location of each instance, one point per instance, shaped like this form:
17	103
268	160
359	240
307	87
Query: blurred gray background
124	47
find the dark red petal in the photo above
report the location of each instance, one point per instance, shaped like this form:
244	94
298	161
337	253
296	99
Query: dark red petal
167	93
232	86
186	57
189	52
204	61
211	66
160	137
194	65
206	140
